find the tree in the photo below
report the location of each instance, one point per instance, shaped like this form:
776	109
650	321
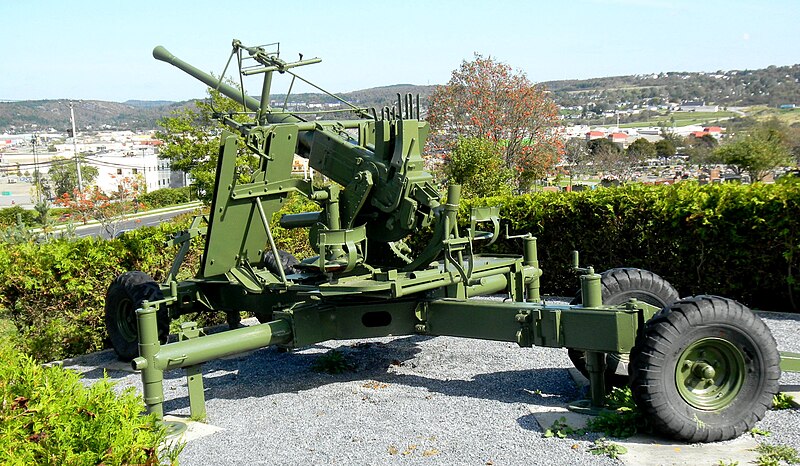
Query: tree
487	99
641	149
756	153
665	148
576	155
64	175
109	210
610	159
191	142
477	164
701	150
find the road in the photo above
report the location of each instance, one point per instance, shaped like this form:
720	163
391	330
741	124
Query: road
145	219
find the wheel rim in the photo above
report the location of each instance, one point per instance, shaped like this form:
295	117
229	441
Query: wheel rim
710	373
126	320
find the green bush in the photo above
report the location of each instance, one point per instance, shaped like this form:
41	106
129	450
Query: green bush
8	216
54	291
740	241
166	197
49	417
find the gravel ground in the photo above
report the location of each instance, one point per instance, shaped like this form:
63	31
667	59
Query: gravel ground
409	400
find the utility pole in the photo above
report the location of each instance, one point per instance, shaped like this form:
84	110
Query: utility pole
37	176
75	147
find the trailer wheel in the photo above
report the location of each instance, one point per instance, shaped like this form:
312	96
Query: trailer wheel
126	294
705	369
618	286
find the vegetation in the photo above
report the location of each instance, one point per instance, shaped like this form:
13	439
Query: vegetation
771	86
703	239
602	446
487	99
191	142
332	362
783	401
64	175
757	152
50	417
53	291
477	165
165	197
774	455
622	419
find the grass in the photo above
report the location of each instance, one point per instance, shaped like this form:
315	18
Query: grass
682	119
787	116
774	455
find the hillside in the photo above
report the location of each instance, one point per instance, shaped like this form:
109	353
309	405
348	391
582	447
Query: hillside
40	115
771	86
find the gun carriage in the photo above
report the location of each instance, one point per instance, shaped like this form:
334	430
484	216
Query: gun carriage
702	368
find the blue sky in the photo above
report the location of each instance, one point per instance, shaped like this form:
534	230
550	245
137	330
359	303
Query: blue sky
102	49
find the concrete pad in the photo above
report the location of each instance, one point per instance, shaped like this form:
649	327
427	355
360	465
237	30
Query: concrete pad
653	451
194	429
546	419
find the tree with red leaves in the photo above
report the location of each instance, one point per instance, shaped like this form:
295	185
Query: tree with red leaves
487	99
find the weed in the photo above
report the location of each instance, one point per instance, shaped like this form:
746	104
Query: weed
623	418
756	431
772	455
726	463
699	423
604	447
332	362
782	401
561	429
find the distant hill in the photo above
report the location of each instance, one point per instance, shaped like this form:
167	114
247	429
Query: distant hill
771	86
40	115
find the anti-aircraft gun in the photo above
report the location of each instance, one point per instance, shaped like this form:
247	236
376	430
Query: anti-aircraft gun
702	369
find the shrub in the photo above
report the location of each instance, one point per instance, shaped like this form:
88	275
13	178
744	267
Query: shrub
54	291
740	241
9	215
166	197
50	417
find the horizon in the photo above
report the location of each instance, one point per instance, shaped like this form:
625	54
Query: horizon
313	91
102	53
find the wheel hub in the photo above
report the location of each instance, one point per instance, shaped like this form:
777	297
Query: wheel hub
710	373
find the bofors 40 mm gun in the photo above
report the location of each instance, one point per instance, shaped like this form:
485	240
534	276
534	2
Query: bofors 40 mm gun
701	369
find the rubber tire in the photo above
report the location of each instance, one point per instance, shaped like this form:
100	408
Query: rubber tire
126	294
288	261
659	348
618	286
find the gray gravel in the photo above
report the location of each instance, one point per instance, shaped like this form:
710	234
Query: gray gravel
409	400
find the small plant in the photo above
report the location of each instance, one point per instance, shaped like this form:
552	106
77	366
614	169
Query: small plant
782	401
561	429
623	418
332	362
726	463
756	431
602	446
772	455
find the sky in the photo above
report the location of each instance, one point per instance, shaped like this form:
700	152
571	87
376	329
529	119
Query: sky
87	49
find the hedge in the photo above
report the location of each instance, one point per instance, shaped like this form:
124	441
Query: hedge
740	241
54	291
